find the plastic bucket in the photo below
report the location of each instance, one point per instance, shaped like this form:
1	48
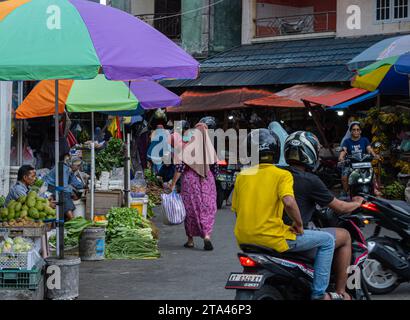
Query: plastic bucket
67	271
92	244
141	204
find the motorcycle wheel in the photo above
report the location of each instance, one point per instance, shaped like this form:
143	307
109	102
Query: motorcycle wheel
378	279
267	292
220	195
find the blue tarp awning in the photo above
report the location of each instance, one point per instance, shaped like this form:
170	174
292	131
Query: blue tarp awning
362	98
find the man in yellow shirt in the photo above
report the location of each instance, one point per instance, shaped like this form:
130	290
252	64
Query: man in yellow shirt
261	194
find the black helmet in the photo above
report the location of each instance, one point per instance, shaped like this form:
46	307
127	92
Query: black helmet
268	145
209	121
302	147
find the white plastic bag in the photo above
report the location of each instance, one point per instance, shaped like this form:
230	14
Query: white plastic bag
173	208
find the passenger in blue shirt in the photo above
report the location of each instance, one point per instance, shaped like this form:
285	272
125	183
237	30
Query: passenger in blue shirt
70	182
26	176
356	144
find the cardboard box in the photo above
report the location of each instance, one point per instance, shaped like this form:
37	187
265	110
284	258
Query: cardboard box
103	202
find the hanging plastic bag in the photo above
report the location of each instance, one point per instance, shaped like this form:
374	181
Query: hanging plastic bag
173	208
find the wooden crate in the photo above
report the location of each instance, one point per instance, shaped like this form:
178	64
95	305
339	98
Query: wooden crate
103	202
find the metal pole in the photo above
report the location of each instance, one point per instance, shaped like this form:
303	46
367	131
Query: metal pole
20	126
60	212
61	215
92	168
127	174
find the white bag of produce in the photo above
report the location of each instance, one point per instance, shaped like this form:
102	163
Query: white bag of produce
173	208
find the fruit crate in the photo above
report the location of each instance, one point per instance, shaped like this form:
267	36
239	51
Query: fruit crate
21	279
26	260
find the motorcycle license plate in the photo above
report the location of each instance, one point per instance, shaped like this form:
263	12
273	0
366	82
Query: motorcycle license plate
250	281
363	165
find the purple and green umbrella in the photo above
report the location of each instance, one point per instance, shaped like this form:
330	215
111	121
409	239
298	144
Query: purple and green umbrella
75	39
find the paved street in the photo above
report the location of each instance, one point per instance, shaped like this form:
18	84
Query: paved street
180	273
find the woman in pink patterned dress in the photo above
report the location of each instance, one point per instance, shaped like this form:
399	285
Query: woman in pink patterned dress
198	191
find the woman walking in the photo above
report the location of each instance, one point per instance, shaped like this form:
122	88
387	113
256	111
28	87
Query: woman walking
196	170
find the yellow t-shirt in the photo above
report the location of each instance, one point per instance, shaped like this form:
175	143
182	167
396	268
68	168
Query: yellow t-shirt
257	201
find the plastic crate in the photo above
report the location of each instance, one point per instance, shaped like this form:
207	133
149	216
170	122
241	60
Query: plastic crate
26	260
21	279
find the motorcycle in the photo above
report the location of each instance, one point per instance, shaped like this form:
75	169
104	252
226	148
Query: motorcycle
269	275
388	264
225	182
361	177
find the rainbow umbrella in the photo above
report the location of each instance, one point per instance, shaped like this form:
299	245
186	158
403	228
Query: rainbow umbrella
74	39
389	76
387	48
96	95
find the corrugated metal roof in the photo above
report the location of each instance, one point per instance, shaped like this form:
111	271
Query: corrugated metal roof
281	62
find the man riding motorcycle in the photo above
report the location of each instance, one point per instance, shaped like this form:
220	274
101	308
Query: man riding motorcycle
355	144
301	153
261	195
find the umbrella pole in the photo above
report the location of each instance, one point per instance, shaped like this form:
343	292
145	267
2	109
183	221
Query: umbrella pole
60	211
92	168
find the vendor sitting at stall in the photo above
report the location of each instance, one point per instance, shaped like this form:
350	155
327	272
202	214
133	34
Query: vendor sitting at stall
26	177
70	182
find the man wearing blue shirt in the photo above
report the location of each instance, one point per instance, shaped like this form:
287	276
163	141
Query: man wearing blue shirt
26	177
356	144
70	182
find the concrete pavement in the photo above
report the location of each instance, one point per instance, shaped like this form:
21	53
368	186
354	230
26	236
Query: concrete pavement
180	273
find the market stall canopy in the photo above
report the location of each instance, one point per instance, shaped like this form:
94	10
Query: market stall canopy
229	99
341	99
96	95
73	39
390	47
384	76
291	97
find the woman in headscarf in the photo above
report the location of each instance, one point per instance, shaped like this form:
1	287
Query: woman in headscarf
196	166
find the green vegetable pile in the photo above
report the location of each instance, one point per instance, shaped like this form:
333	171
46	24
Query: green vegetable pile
73	228
394	191
129	236
111	157
133	244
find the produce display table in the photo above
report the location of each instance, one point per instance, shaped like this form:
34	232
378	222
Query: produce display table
39	235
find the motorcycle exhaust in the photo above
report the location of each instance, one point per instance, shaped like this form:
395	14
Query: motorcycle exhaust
389	259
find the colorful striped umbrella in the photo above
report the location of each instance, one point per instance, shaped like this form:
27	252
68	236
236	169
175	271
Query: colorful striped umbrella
389	76
73	39
387	48
96	95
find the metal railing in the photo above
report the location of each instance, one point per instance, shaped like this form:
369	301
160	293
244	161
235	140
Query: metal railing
297	24
167	23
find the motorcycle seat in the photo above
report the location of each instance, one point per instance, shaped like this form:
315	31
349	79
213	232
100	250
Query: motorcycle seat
398	205
304	256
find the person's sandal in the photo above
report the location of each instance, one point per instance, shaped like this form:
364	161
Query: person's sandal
208	245
331	295
189	245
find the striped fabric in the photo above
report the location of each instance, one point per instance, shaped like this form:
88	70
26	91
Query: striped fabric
173	208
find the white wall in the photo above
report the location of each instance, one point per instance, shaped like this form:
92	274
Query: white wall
248	16
369	26
5	133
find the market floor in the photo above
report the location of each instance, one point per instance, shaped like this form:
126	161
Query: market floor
180	273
